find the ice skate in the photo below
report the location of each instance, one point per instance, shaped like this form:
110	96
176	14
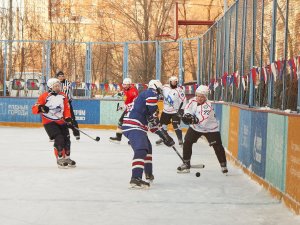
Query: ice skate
115	140
77	138
159	142
149	178
138	183
184	168
70	162
61	163
224	168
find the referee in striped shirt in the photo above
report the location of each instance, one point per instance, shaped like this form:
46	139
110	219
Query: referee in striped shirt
67	89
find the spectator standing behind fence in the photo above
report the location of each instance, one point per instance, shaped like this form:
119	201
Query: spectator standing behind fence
67	89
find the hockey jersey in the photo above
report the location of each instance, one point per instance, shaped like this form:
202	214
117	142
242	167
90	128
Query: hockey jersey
143	109
129	96
206	115
58	107
173	98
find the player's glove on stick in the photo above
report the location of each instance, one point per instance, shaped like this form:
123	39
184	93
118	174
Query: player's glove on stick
43	108
69	121
189	119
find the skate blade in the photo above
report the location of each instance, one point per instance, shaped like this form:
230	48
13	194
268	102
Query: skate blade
183	171
199	166
62	167
71	166
116	142
136	187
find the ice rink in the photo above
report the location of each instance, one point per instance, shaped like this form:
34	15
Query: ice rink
33	191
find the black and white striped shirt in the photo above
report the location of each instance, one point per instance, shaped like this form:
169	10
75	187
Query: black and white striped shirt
66	87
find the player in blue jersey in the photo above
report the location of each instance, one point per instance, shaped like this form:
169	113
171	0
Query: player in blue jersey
143	116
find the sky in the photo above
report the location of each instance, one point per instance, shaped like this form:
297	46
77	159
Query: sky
33	191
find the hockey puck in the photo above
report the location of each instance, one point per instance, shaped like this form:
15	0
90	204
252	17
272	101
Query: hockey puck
198	174
97	139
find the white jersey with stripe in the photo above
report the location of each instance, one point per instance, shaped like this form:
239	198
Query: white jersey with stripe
206	115
173	98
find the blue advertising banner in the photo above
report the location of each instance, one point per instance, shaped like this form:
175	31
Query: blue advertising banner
259	139
245	153
18	110
86	111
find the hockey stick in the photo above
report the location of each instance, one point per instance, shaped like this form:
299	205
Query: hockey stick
118	106
95	139
199	166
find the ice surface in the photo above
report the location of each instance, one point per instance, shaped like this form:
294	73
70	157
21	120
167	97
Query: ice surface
34	191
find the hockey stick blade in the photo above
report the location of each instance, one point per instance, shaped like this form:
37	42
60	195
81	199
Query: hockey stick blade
95	139
199	166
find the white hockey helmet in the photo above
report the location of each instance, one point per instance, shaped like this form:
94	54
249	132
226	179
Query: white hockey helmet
127	80
51	82
155	84
202	90
173	78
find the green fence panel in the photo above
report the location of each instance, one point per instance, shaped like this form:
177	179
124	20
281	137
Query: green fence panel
276	150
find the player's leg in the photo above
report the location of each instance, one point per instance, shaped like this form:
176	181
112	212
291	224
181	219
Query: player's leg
215	141
67	146
176	125
54	132
139	143
117	139
190	138
148	164
165	119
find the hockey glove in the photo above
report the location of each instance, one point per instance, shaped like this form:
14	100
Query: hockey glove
69	121
43	109
168	141
189	119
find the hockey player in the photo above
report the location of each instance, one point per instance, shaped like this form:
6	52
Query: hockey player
130	93
141	116
55	111
67	89
173	96
200	115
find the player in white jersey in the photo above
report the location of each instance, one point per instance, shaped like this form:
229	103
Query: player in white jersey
173	97
200	115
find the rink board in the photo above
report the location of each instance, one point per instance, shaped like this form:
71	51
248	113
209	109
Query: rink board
108	112
245	153
18	110
293	159
86	111
259	141
233	132
225	124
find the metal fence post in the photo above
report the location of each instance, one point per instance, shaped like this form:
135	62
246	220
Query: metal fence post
158	60
272	53
4	68
252	85
286	24
181	66
261	46
243	50
125	60
199	81
235	47
88	65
